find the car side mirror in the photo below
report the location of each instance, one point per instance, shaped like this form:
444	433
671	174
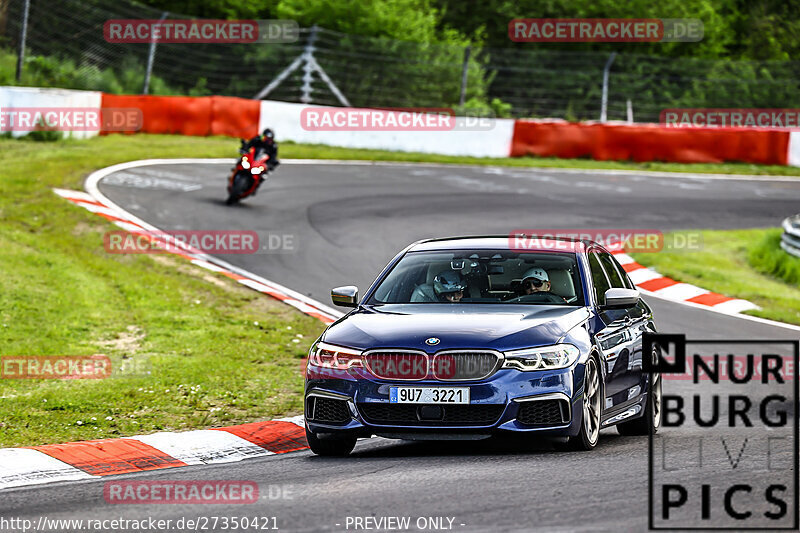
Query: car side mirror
621	298
346	296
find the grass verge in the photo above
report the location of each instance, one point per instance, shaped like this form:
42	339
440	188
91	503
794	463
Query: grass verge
200	350
746	264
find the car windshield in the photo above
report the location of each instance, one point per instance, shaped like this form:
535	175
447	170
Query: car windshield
482	276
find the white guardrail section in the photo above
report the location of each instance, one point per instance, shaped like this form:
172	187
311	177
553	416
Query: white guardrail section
492	140
791	235
15	98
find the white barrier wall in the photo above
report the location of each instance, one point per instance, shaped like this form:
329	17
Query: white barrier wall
793	157
285	119
35	97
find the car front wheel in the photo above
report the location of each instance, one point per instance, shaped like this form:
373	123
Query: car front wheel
589	433
332	446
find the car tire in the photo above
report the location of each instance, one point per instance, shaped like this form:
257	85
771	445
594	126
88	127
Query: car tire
330	447
589	433
650	421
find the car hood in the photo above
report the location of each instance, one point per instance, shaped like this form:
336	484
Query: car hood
499	327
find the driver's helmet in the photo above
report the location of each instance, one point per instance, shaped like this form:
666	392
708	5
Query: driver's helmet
535	274
448	282
268	135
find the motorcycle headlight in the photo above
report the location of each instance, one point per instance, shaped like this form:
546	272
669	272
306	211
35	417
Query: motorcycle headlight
256	170
542	358
245	162
330	356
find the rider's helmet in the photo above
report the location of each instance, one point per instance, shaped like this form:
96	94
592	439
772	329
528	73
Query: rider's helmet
268	135
448	282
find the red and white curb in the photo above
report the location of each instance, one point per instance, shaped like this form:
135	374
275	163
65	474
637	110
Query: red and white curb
72	461
651	282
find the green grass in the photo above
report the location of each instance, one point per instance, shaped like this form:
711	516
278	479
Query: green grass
203	350
746	264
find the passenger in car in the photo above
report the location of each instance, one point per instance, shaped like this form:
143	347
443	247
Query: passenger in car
449	286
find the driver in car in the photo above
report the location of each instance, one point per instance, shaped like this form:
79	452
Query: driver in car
535	280
449	286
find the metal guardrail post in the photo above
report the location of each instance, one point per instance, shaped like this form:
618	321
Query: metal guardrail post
790	241
23	37
464	70
604	98
151	57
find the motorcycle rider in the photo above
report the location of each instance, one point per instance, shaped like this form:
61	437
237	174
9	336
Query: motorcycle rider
266	142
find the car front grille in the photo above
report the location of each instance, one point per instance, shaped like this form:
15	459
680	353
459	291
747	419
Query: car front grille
442	366
456	366
327	410
413	415
397	365
543	413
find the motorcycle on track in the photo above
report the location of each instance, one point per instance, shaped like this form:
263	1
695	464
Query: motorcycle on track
249	173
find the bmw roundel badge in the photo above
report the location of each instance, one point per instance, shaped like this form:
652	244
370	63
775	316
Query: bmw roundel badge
432	341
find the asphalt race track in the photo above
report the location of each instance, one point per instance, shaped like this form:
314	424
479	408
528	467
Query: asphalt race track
346	221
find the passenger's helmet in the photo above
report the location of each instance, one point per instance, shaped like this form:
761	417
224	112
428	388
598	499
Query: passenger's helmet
268	135
448	282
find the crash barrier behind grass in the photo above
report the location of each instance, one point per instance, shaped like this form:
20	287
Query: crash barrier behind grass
241	117
791	235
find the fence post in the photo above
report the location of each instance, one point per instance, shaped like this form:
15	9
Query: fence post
308	67
630	111
22	39
151	56
464	69
604	101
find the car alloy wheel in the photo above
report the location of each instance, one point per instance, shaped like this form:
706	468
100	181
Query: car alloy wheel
592	402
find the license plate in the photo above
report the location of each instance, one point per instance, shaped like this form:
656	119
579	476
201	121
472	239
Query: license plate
450	395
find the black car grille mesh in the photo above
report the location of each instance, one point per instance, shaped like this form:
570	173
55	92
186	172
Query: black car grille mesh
407	414
454	366
327	410
543	413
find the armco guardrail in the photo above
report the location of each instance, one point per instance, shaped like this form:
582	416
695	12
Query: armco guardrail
791	235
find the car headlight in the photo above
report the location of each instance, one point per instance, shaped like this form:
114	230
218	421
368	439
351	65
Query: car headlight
245	163
542	358
329	356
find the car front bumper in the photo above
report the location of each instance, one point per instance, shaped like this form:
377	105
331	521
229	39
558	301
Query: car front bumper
546	403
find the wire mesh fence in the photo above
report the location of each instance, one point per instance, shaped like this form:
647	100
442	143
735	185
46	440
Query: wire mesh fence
66	47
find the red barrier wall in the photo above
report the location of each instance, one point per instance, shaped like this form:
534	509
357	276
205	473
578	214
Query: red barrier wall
622	142
186	115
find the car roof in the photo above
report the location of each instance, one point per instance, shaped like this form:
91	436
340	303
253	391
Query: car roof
518	243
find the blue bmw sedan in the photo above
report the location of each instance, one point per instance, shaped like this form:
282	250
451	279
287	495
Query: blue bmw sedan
469	337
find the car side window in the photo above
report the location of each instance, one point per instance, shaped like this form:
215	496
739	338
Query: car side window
599	279
614	276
